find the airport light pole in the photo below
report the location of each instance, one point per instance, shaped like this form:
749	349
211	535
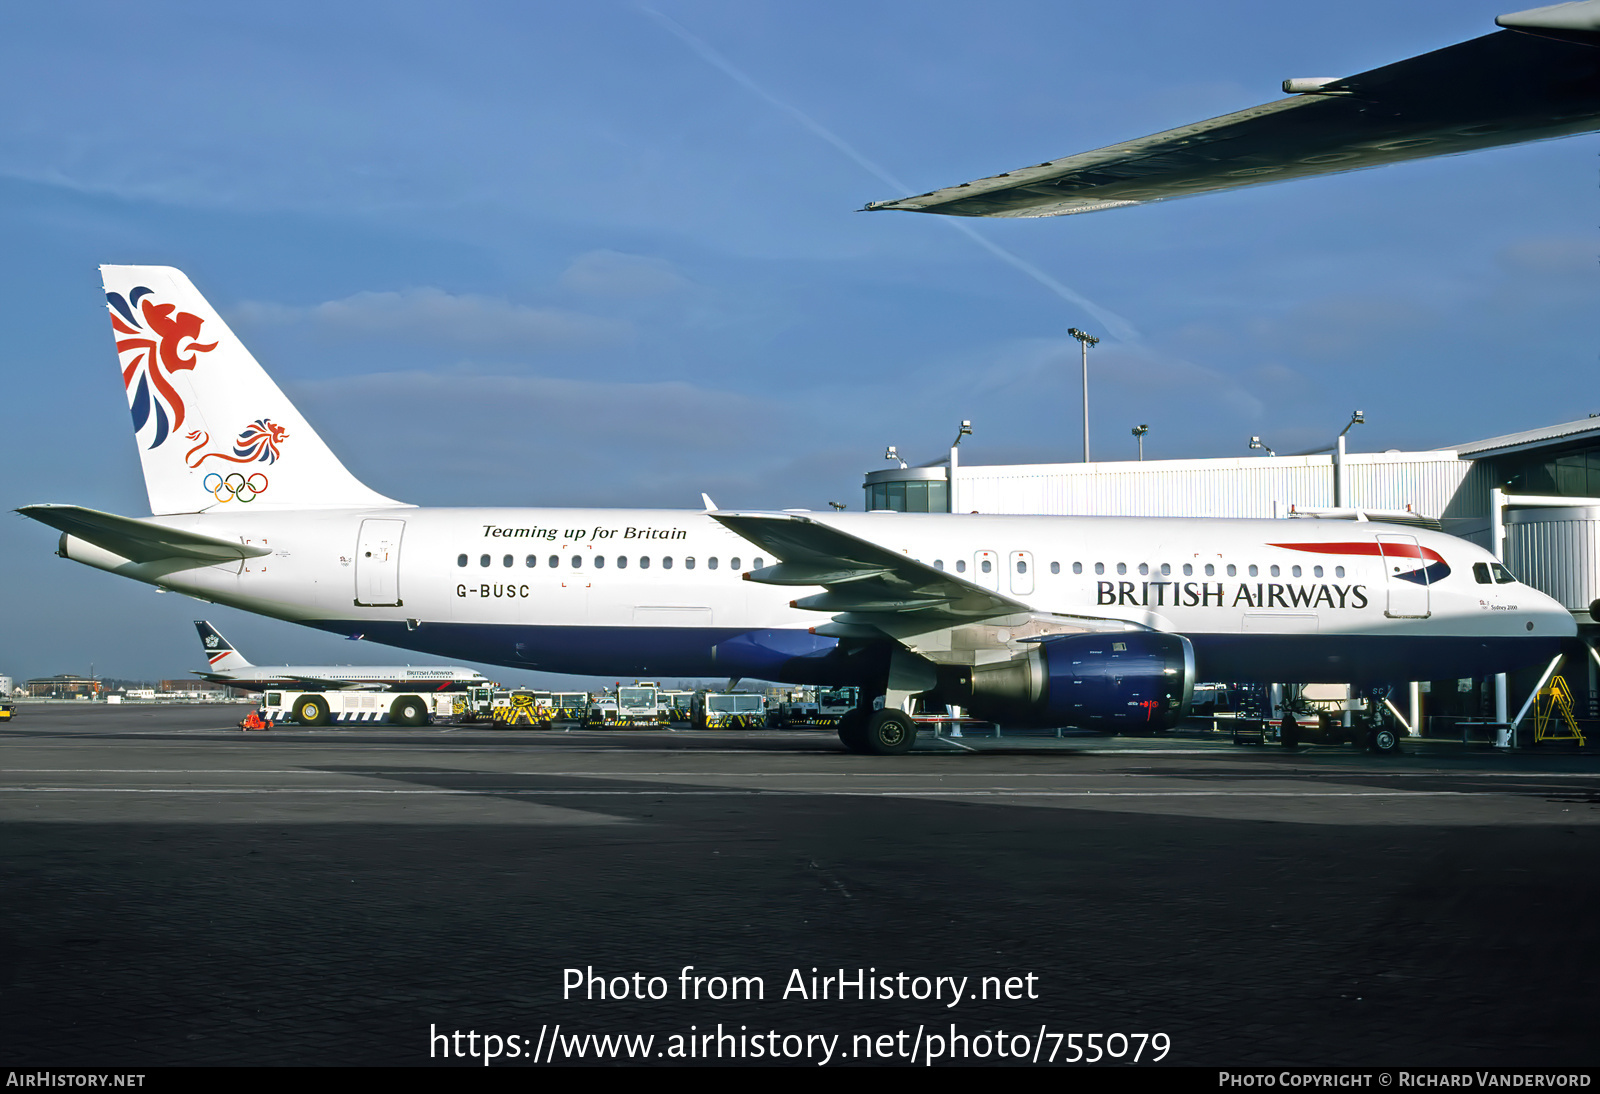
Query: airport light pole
1139	431
1255	442
1341	488
1085	340
955	465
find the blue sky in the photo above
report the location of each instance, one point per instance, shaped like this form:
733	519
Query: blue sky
548	254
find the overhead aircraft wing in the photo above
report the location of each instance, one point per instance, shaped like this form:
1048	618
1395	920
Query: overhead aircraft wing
139	540
1536	81
870	588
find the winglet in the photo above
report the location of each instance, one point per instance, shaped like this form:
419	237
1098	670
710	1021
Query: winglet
711	506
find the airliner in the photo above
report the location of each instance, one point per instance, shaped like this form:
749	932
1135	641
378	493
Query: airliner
228	666
1101	622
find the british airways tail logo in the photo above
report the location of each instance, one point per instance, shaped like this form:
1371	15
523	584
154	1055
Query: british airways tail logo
1413	562
154	342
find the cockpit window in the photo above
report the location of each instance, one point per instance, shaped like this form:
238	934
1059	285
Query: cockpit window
1480	573
1502	576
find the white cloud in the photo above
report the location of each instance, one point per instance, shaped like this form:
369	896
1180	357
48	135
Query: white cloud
433	315
615	274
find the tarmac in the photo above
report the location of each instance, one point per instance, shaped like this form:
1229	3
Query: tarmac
179	892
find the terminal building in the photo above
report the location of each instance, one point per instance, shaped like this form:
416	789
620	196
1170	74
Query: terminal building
1533	498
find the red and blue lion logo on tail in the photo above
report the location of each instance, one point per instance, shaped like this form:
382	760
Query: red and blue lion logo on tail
257	442
150	361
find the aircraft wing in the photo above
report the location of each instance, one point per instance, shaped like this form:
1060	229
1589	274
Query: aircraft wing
139	540
1537	81
325	684
869	587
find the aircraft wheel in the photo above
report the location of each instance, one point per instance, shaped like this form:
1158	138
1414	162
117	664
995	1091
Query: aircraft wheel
1386	741
890	733
853	731
408	710
311	710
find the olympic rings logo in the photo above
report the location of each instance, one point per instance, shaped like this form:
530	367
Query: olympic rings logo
235	486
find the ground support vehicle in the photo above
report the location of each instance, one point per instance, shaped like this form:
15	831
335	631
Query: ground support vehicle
476	704
677	706
724	710
602	712
7	710
569	706
639	705
523	708
316	708
1371	726
796	712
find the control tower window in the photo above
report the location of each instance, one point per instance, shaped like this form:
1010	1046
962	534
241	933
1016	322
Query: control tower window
915	496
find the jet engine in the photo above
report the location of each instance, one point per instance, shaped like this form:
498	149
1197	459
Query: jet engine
1115	681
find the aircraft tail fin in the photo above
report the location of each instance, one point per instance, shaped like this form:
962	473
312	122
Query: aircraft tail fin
219	651
214	431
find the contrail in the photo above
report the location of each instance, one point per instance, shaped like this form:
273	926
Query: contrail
1114	325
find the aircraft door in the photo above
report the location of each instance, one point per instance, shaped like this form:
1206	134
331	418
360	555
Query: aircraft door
986	570
1020	564
1406	575
378	563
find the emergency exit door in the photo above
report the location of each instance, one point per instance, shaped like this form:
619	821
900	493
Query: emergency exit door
378	564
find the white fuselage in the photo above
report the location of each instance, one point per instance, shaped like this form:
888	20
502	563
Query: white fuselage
661	591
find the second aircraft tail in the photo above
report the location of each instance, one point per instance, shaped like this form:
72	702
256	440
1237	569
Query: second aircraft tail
219	651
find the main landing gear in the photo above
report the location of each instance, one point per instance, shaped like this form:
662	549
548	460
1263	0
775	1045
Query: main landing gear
883	732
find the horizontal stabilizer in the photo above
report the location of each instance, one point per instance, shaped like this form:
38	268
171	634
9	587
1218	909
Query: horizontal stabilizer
139	540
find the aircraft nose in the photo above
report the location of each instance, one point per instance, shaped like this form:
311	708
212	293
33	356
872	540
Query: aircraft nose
1548	617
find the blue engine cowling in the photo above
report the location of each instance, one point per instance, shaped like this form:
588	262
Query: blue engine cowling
1115	681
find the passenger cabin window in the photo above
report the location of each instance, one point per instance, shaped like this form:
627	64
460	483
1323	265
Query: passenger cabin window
1274	571
961	565
1233	571
1166	569
1144	569
1188	570
1338	571
1253	571
733	563
461	560
1122	567
622	562
555	560
1055	567
1295	571
599	562
1099	567
483	561
644	562
711	563
1022	567
756	564
533	560
1211	571
666	562
508	562
938	564
1316	571
1077	567
987	565
577	561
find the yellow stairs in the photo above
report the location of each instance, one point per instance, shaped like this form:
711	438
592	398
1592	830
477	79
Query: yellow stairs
1555	700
